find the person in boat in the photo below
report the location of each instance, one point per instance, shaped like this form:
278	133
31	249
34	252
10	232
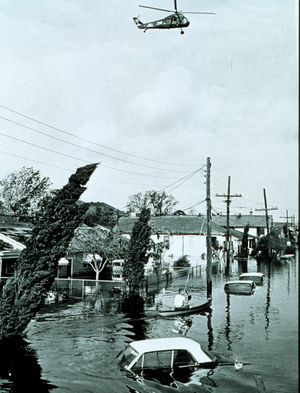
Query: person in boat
181	300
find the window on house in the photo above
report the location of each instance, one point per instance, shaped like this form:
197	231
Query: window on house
214	242
167	241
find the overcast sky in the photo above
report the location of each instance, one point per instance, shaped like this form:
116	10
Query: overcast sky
151	107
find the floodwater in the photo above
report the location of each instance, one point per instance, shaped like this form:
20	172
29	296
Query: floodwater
71	350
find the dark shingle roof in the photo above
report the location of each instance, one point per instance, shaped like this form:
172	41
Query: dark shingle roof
177	225
240	221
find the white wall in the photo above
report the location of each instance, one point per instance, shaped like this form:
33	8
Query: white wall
191	245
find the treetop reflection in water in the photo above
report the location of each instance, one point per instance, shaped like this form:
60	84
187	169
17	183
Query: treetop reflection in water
19	367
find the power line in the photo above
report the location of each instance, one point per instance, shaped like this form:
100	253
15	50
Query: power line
85	148
80	159
184	178
90	141
183	181
199	203
69	169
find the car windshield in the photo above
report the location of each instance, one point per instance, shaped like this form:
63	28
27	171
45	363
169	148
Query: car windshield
126	357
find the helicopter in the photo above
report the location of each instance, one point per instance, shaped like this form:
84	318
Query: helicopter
174	21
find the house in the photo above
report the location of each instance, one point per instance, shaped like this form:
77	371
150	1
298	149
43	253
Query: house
183	235
257	223
13	235
79	259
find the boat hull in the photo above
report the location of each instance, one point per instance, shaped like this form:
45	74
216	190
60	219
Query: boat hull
187	311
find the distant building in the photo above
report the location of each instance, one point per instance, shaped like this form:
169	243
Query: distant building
13	235
185	235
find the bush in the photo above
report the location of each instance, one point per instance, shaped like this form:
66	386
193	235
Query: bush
182	262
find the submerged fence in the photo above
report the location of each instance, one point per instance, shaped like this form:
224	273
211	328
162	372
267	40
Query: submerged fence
75	288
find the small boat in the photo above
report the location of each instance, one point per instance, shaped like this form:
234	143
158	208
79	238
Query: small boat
185	311
258	278
240	287
287	257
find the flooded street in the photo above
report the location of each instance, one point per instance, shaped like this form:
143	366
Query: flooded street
77	351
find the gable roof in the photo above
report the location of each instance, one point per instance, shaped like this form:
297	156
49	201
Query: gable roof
84	232
240	221
177	225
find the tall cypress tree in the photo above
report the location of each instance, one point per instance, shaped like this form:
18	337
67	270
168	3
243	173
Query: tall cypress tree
137	254
36	269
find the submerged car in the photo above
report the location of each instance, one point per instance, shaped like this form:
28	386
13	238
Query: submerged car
165	358
258	278
240	287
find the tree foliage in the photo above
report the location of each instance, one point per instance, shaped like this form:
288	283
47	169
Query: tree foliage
21	192
159	203
36	269
182	262
137	257
99	245
100	213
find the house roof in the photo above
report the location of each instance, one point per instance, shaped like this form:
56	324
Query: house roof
86	232
240	221
177	225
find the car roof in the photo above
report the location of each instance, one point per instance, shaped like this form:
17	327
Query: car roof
171	343
256	274
240	282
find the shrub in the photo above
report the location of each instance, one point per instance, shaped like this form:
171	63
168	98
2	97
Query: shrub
182	262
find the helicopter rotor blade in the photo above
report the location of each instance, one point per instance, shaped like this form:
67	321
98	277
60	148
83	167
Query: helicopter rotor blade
154	8
175	5
196	12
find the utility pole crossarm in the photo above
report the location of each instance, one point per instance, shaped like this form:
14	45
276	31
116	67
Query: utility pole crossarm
269	208
287	217
228	196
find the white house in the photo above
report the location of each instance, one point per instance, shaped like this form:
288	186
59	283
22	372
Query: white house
183	235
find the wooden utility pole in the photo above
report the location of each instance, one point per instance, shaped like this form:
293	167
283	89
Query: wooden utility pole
287	218
228	201
266	209
208	236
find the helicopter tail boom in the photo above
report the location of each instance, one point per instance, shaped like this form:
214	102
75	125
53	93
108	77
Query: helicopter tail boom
139	24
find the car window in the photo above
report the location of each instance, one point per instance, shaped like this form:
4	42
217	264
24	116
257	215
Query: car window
126	357
138	365
157	360
183	358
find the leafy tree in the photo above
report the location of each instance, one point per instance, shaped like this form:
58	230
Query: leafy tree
21	192
100	246
100	213
159	203
182	262
36	269
137	257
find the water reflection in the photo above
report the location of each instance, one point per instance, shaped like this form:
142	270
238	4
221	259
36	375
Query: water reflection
268	301
19	368
210	333
228	323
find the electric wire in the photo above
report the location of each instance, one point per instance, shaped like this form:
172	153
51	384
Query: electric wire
81	159
184	177
86	148
196	204
90	141
70	170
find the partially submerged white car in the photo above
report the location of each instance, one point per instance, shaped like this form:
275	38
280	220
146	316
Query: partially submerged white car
256	277
165	355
